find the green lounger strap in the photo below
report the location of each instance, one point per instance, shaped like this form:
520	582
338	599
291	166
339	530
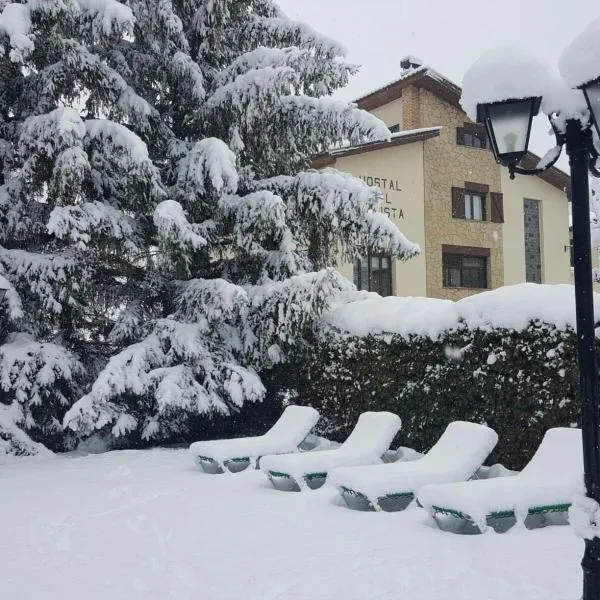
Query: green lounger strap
534	510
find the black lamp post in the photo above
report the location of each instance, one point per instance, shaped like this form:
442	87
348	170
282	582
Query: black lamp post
508	125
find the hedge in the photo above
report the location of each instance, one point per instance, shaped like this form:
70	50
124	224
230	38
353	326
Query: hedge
519	383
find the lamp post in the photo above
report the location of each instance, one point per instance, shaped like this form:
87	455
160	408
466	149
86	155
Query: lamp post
508	124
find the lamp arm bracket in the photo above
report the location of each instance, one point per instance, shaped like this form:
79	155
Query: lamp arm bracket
512	169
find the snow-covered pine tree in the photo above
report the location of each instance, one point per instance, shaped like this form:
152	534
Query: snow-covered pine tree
161	226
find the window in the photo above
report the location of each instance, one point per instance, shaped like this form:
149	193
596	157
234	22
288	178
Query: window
471	134
374	274
470	202
394	128
474	206
465	270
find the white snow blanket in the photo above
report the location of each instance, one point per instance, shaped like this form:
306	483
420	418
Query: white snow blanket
551	477
285	436
370	438
511	307
456	456
141	525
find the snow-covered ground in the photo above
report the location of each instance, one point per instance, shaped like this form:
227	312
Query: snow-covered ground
148	524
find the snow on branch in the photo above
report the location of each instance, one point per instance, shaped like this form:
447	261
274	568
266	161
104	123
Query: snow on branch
316	76
119	136
248	93
184	66
37	382
382	236
83	222
97	75
213	301
337	120
209	167
174	229
281	31
53	278
125	373
13	439
15	22
109	16
52	132
258	218
285	311
12	299
120	161
172	373
339	208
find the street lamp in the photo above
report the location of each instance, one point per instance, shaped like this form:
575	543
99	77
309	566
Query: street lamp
491	95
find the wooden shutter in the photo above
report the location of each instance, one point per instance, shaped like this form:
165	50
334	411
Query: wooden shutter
497	202
458	203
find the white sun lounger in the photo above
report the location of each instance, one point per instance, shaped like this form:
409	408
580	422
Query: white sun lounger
288	433
546	484
456	456
370	438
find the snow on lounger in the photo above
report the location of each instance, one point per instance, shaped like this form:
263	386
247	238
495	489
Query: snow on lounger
456	456
370	438
236	454
546	484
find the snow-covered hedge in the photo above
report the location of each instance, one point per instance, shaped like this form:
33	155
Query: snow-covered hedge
505	357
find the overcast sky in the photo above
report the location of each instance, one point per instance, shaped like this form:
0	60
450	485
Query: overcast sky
447	35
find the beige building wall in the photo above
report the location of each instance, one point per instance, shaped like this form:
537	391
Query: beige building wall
390	113
447	165
398	171
554	229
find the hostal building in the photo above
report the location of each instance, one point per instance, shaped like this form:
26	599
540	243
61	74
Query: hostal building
441	185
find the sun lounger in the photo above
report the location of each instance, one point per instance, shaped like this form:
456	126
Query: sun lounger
545	485
370	438
456	456
288	433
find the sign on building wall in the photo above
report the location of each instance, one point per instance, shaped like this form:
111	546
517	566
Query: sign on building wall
387	185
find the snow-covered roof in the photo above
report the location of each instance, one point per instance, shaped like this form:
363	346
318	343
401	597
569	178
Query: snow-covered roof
396	139
408	75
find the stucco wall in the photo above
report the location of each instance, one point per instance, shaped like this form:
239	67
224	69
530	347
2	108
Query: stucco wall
449	165
391	113
391	168
554	228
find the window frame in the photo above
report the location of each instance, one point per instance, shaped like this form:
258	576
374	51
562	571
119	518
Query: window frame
382	274
472	135
453	266
469	196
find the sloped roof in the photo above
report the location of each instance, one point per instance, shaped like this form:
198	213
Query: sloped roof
397	139
429	79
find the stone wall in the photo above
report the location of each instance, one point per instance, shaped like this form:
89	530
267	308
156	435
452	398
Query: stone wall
448	165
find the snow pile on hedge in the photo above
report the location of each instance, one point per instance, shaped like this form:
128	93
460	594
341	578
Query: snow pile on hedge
510	307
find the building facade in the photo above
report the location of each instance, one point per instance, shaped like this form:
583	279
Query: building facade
441	185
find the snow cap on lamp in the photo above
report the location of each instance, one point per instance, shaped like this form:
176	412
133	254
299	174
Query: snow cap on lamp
503	90
579	66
